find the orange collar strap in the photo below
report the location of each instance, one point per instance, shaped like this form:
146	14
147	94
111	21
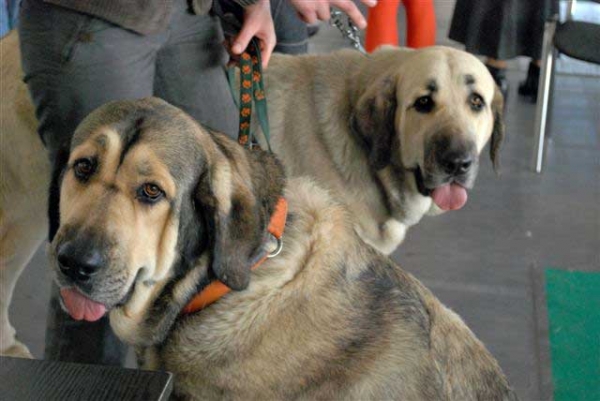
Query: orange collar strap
215	290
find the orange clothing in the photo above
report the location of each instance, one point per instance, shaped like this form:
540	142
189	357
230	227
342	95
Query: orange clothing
383	27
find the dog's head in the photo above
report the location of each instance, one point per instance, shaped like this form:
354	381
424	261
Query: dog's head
143	196
432	116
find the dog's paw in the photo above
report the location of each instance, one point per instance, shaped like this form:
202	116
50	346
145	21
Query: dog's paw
17	350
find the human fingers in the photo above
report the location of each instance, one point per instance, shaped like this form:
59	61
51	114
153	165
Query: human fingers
323	11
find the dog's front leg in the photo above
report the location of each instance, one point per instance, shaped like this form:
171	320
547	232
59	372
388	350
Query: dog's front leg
11	267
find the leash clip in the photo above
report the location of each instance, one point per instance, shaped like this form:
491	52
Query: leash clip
342	21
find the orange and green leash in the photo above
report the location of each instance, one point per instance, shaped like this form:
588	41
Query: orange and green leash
252	93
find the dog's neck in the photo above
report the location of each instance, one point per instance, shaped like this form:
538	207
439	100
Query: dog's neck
215	290
158	306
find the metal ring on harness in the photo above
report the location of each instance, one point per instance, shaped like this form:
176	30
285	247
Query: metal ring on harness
277	250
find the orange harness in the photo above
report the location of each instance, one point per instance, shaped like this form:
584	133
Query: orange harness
215	290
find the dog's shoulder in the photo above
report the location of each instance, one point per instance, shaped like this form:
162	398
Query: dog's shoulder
351	277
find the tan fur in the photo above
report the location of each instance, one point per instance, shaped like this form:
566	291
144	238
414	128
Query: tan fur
24	172
329	318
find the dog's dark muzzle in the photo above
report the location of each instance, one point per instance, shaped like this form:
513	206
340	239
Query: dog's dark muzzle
449	160
81	258
455	163
452	155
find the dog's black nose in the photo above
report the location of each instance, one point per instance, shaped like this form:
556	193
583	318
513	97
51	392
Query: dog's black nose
456	162
77	262
454	154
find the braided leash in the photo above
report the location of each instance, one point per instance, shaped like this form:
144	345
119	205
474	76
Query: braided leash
252	92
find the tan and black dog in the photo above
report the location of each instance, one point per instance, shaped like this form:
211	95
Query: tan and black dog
395	135
152	207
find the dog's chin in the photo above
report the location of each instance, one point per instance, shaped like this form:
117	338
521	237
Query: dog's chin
447	192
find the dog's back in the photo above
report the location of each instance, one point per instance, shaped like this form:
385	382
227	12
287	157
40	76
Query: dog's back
329	318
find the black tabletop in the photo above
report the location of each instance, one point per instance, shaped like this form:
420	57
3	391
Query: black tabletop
27	379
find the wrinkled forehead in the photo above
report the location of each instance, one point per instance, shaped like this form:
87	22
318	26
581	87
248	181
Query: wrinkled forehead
437	69
122	130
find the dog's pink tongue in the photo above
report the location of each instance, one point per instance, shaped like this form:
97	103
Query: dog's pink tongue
80	307
449	196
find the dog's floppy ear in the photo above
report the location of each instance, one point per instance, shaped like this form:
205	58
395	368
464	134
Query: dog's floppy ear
373	120
498	130
237	194
61	158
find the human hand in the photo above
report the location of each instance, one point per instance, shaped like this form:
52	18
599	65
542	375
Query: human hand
257	23
311	11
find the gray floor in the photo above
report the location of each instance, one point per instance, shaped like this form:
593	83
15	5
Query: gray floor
480	260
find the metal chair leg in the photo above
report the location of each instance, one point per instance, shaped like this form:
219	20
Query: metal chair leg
556	57
541	115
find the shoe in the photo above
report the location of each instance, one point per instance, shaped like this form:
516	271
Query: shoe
499	75
529	87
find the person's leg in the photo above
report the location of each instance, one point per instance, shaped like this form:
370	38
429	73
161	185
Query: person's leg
190	70
420	23
497	69
494	62
291	31
529	87
533	16
74	63
382	28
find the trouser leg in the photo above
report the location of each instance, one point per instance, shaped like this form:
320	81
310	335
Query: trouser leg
190	70
74	63
421	24
291	31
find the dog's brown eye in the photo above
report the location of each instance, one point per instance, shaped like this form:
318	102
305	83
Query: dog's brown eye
150	193
83	168
476	102
424	104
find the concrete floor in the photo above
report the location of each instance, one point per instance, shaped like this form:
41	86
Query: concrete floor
483	260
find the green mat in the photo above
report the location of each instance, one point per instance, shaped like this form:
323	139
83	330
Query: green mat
574	318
